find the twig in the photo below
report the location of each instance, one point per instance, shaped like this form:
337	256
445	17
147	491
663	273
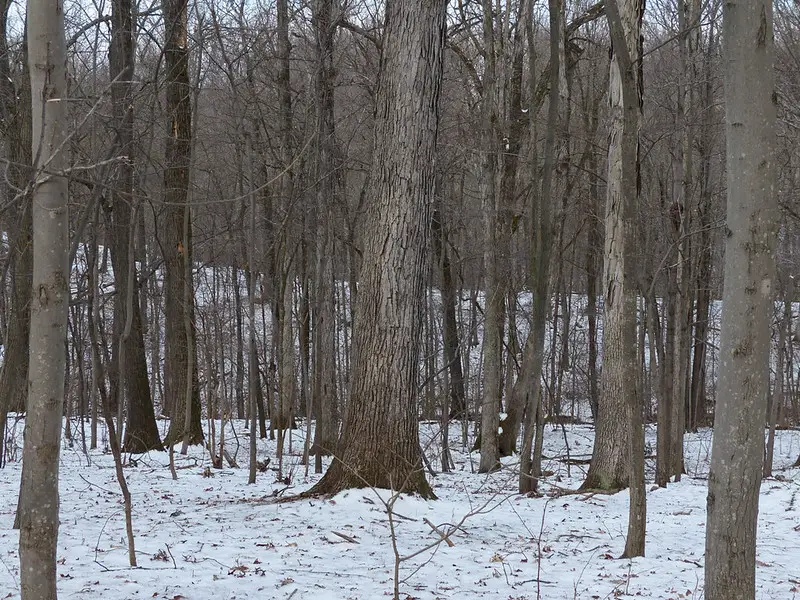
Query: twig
174	564
539	552
99	487
346	538
100	535
397	514
10	572
445	537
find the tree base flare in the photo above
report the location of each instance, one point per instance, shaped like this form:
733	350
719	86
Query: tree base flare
339	478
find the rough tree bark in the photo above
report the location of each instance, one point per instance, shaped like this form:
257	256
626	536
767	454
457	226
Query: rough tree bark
38	507
609	467
176	251
618	458
379	445
749	281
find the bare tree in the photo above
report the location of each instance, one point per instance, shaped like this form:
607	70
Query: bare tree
324	331
141	433
15	105
495	258
178	234
529	382
619	337
747	301
379	445
38	507
619	403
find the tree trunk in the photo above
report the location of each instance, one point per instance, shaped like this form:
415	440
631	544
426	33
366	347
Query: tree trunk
776	397
664	411
239	310
38	507
683	209
15	105
593	245
531	379
619	337
495	287
618	458
284	267
141	432
379	445
177	251
452	347
747	301
704	252
328	188
609	467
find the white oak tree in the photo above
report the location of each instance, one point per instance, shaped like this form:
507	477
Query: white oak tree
379	445
618	394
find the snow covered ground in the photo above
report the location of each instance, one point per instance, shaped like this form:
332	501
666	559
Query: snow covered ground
204	538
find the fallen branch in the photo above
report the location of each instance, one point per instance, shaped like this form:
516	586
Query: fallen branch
346	538
445	537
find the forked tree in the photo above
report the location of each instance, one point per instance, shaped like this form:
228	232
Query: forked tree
38	507
619	402
622	196
747	301
379	445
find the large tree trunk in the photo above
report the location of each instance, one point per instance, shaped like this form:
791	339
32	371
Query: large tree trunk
747	301
620	396
178	230
609	467
141	432
38	507
379	445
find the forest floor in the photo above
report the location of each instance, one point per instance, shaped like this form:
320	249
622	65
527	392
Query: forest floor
209	538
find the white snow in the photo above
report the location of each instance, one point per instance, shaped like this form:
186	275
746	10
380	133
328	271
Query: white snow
201	538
